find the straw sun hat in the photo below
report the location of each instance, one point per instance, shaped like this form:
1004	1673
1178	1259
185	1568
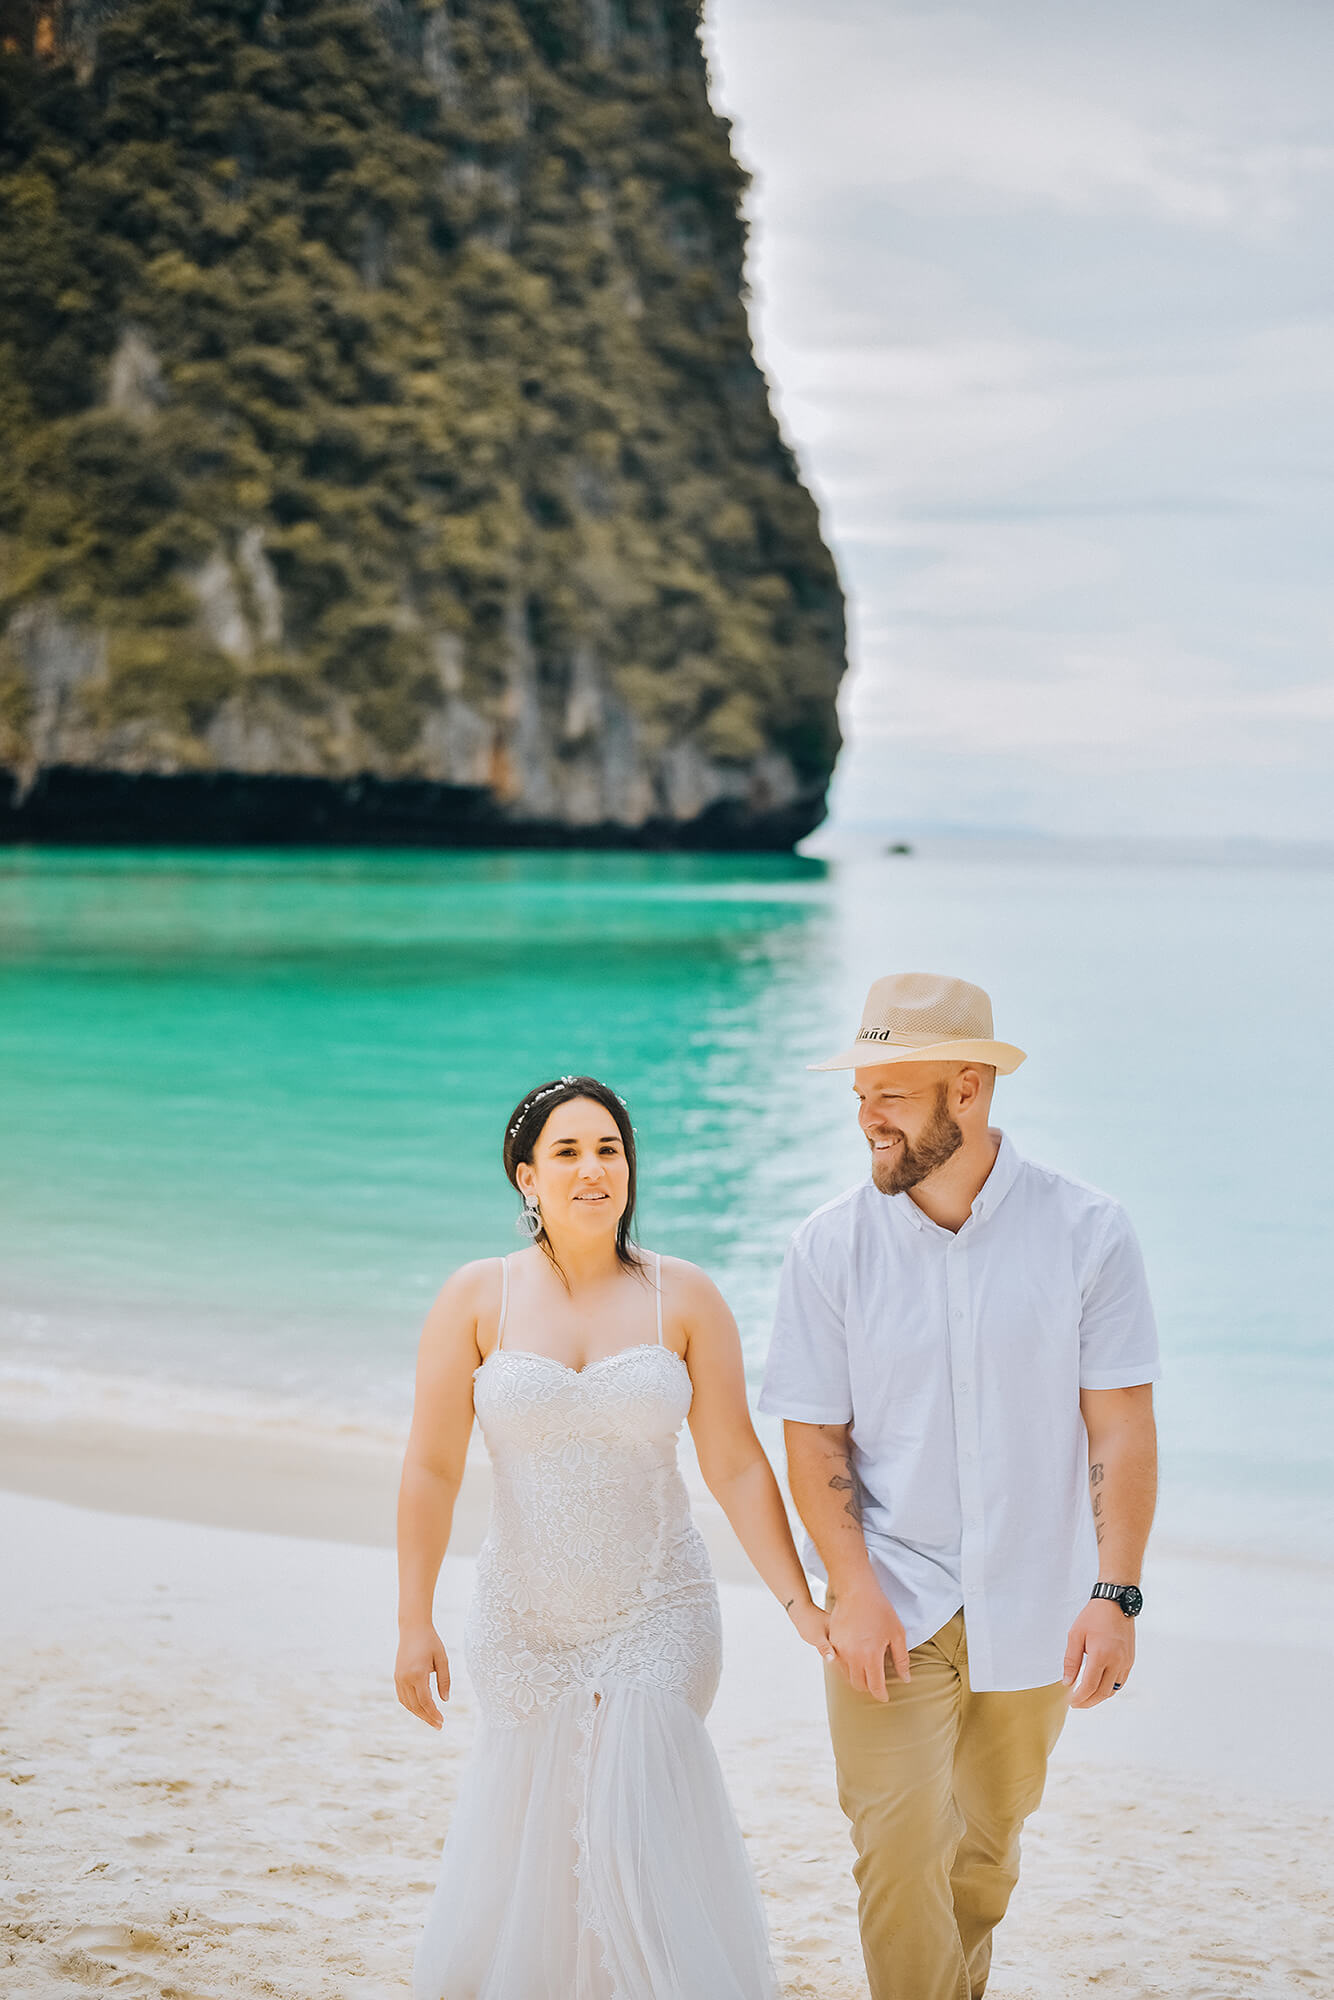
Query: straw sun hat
925	1017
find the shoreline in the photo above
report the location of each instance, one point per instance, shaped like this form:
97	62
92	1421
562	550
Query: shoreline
275	1482
278	1469
71	805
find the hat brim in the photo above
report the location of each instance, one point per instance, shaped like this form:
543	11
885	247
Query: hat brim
1002	1056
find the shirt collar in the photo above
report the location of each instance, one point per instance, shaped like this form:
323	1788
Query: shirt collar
1004	1172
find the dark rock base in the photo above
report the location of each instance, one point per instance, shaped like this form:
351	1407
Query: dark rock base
70	806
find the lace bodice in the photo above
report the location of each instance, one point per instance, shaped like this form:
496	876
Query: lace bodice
590	1532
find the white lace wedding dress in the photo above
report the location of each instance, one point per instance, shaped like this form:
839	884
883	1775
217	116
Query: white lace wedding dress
593	1853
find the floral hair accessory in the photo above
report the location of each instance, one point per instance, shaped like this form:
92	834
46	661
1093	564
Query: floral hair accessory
530	1102
549	1090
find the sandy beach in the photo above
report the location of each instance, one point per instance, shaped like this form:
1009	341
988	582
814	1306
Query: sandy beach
208	1789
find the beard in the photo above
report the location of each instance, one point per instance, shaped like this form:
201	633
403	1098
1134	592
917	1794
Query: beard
911	1164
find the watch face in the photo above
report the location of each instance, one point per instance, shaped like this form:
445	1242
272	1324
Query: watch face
1131	1601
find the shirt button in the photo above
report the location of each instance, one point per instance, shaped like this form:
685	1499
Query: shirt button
958	1312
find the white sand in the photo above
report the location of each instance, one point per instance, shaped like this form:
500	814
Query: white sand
207	1790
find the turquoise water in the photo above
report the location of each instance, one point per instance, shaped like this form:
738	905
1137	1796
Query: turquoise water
254	1102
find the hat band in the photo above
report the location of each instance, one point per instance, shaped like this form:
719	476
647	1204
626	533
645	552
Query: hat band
909	1039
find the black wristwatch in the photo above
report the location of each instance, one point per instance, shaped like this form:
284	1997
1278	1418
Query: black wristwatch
1127	1595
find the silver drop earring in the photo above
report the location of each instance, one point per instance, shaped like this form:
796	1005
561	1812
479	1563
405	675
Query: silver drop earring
529	1219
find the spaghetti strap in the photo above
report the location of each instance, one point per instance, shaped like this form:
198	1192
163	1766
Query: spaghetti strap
504	1302
657	1286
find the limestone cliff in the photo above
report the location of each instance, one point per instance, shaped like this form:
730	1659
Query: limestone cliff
379	412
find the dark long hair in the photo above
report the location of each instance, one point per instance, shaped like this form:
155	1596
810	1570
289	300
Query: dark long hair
526	1124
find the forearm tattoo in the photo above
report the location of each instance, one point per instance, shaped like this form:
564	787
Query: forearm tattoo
1095	1487
846	1482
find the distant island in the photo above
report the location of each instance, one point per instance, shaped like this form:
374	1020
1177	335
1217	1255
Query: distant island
384	453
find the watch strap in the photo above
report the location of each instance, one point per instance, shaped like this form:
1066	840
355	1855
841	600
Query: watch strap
1127	1595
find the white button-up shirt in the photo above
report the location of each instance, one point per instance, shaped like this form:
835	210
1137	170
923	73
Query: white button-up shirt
957	1359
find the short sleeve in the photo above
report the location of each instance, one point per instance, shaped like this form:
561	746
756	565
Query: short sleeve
806	1379
1118	1337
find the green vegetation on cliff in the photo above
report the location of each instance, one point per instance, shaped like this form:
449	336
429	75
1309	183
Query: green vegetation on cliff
376	393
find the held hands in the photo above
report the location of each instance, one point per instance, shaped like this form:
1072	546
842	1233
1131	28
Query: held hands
813	1626
863	1628
1102	1643
421	1653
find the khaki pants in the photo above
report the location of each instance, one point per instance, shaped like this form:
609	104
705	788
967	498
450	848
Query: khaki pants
937	1782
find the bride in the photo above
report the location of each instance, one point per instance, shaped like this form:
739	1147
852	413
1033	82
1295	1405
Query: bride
593	1854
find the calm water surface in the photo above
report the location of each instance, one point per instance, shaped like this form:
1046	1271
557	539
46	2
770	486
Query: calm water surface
254	1102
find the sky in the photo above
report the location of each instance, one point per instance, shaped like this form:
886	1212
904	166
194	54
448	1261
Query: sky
1045	292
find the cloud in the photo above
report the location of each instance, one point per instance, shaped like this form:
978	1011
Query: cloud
983	110
951	141
941	421
1097	699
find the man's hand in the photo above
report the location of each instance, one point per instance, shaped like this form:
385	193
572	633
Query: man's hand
863	1627
1102	1644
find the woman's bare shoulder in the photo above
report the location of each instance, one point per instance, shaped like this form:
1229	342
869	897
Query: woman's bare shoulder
690	1288
471	1289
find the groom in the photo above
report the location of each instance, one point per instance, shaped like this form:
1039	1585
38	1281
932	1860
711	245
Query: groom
962	1353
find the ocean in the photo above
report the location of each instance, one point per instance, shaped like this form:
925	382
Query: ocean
254	1103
